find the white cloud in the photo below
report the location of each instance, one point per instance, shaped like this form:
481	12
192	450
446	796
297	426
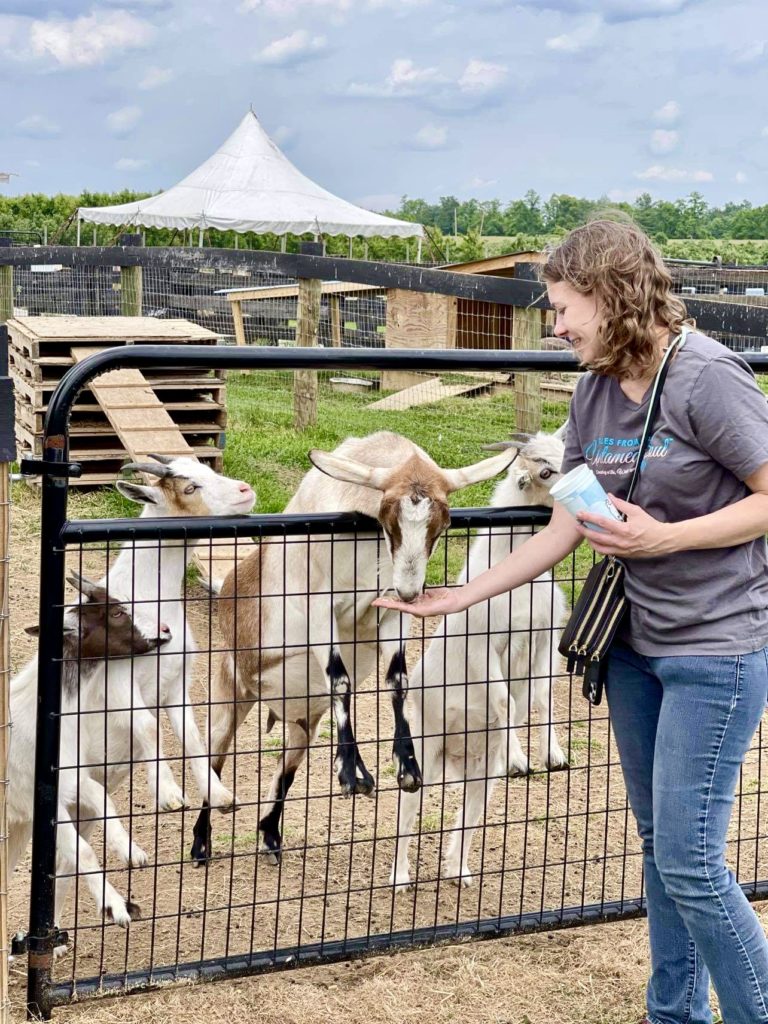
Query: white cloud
659	173
37	126
764	132
291	7
87	40
611	10
478	182
740	178
293	49
481	76
430	136
121	122
129	163
749	54
579	39
283	134
664	140
669	113
404	79
154	77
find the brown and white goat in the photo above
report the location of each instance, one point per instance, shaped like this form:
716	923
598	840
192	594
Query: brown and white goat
483	669
100	635
295	617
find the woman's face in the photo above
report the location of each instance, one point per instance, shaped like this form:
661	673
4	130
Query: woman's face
578	321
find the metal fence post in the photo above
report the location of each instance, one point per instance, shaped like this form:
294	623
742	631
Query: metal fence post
42	931
131	282
7	456
6	287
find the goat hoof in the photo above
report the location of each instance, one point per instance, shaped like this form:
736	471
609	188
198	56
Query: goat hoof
461	880
403	884
271	850
202	842
517	771
138	858
173	802
409	778
120	913
225	803
558	766
134	910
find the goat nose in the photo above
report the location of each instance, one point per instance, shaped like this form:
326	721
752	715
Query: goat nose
164	629
407	595
245	488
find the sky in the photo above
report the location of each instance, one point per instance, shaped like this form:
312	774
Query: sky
375	99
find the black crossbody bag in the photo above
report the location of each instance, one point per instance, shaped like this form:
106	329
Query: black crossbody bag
602	604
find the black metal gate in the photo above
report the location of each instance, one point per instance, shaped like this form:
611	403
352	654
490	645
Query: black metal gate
553	850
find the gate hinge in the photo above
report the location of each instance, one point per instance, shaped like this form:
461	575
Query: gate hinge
22	943
38	467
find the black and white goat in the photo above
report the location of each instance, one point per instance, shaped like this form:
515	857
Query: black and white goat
483	669
151	575
100	636
296	617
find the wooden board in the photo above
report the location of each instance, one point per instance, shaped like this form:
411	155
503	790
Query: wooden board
431	390
141	430
117	330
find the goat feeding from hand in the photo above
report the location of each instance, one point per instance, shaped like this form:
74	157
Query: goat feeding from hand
297	616
482	670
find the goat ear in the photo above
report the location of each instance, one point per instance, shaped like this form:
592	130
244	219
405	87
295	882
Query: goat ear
136	492
348	470
458	478
32	630
561	431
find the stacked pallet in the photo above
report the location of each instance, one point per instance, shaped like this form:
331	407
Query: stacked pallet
179	410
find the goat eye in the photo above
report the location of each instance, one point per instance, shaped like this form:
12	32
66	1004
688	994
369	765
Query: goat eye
190	489
545	474
116	613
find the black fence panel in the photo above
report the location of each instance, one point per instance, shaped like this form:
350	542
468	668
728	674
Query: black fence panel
297	873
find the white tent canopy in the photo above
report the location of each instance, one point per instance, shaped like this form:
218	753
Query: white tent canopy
249	185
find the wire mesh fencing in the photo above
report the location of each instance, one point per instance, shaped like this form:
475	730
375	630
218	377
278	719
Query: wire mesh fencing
498	839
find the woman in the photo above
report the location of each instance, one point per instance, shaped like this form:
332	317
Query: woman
687	681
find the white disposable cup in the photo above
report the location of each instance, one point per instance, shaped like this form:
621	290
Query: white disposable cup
581	491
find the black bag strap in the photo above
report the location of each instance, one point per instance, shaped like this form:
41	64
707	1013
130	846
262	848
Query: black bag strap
653	406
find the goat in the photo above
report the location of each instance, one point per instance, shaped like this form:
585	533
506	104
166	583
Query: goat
152	574
472	689
291	648
96	630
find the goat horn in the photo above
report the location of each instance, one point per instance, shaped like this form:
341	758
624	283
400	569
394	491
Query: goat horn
147	467
166	460
85	586
499	446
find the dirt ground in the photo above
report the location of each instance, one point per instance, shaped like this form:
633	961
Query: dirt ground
553	839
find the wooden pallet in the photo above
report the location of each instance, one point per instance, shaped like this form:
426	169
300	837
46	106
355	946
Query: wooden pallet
122	414
428	391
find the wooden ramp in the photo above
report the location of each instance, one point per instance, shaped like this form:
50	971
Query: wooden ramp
143	426
428	391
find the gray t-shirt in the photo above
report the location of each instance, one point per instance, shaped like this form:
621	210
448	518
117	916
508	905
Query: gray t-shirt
711	432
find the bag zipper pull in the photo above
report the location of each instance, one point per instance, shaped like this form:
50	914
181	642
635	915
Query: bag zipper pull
581	660
571	662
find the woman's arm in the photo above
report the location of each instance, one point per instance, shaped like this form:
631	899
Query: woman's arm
544	550
642	536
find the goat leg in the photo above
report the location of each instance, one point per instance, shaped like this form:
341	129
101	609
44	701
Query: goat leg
403	753
351	772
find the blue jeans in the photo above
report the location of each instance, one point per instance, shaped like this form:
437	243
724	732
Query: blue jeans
683	725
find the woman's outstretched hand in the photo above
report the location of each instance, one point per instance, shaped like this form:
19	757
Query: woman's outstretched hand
436	601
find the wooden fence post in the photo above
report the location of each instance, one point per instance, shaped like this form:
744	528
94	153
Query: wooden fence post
7	456
6	287
526	334
307	328
131	282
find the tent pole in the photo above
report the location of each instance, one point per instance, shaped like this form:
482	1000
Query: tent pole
237	239
78	230
283	242
418	252
94	235
200	239
350	246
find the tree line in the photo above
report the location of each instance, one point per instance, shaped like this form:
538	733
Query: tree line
457	229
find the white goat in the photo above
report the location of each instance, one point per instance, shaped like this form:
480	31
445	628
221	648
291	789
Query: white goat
296	615
472	689
151	575
96	631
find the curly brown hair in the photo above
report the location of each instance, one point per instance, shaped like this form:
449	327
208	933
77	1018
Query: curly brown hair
618	263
